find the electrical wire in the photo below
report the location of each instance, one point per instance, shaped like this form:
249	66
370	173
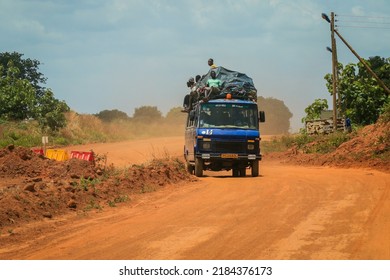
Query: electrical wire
358	21
371	22
360	26
337	15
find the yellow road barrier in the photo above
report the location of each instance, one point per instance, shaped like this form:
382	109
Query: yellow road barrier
56	154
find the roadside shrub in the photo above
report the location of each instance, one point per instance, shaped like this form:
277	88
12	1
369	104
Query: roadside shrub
307	143
385	116
326	143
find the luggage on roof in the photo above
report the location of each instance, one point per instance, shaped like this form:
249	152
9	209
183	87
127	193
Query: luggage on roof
239	85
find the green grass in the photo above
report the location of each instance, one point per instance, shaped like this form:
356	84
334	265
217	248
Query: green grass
307	143
118	199
93	205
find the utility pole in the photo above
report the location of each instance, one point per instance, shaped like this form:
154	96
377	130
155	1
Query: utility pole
334	71
334	66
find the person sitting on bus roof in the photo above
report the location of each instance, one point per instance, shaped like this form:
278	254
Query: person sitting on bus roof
213	86
210	62
194	94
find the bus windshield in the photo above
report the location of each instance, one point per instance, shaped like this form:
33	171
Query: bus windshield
228	115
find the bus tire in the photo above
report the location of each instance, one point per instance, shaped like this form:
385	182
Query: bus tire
255	168
198	167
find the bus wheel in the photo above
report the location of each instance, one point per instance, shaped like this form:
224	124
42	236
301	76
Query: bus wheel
190	168
198	167
255	168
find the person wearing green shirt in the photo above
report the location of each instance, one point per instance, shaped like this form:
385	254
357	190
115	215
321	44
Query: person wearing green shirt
213	85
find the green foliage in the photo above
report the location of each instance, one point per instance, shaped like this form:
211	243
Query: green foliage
17	96
277	115
93	205
307	143
323	144
118	199
381	67
28	69
285	142
87	183
111	115
21	96
50	111
24	134
313	111
277	144
362	99
385	114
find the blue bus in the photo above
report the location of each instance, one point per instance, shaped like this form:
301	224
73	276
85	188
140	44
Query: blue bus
223	134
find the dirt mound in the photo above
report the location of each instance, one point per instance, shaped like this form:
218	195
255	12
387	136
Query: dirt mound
18	161
370	148
33	187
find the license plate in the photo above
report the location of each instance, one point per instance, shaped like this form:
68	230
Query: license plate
229	156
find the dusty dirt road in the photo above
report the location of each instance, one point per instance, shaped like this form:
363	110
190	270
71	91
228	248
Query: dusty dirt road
289	212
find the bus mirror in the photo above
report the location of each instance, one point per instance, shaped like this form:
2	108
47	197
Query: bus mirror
261	116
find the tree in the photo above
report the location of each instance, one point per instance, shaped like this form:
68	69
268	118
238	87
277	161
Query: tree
381	67
21	96
17	96
111	115
314	110
50	112
28	69
361	98
147	114
176	116
277	115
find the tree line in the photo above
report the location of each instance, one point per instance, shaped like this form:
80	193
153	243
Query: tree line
23	96
277	113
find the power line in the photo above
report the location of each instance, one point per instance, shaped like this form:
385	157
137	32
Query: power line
361	26
359	21
381	17
370	22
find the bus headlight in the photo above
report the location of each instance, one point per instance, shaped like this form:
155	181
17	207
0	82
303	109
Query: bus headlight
206	145
251	146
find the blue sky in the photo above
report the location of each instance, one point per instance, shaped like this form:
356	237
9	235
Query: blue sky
124	54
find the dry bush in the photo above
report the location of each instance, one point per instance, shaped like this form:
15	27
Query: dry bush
83	128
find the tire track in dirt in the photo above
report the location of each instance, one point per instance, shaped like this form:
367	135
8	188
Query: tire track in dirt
372	245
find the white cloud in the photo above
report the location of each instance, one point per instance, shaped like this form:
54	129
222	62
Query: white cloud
358	11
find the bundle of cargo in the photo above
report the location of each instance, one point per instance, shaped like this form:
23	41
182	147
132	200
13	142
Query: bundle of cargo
239	85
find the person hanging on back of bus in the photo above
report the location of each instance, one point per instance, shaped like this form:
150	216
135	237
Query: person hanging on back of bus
187	97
